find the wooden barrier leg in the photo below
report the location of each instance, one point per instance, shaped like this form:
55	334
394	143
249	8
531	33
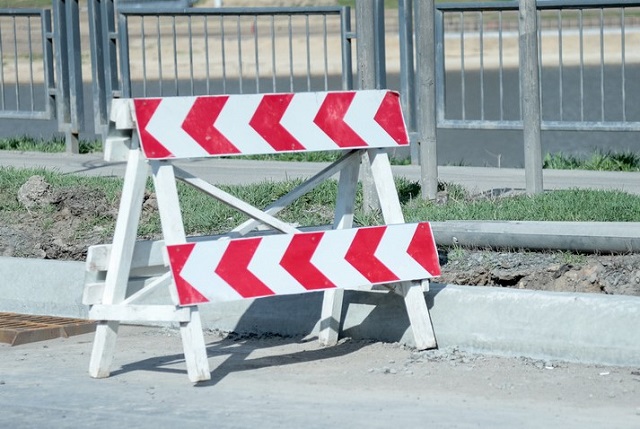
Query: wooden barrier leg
333	298
419	317
195	350
124	238
392	212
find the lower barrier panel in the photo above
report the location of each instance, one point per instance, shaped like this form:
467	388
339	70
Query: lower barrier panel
283	264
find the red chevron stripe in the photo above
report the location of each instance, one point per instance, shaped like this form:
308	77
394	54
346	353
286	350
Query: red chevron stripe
389	116
200	124
266	122
422	248
178	256
145	109
361	255
297	261
330	119
233	268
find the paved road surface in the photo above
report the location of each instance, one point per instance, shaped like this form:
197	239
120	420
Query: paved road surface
291	383
236	171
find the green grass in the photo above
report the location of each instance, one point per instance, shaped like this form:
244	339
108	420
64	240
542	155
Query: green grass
204	216
600	160
55	145
25	3
560	205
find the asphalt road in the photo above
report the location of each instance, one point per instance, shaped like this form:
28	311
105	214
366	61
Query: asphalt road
239	172
293	383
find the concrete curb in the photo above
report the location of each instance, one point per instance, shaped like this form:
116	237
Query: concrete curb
586	328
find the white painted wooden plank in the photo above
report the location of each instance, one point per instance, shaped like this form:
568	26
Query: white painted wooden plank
392	212
97	257
140	313
329	330
235	202
346	198
104	344
116	148
164	181
419	316
121	113
332	302
118	269
146	253
385	186
93	291
126	229
195	350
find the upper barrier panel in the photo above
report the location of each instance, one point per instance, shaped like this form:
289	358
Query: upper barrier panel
203	126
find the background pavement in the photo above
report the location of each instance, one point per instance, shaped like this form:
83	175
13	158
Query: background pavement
237	171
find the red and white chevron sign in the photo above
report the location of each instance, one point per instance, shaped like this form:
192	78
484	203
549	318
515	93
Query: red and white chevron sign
193	127
227	270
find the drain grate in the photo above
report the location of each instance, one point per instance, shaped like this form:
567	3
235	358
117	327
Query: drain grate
16	329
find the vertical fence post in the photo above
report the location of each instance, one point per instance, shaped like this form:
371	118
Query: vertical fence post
407	71
379	34
103	60
530	95
426	121
69	91
365	57
48	45
96	34
346	36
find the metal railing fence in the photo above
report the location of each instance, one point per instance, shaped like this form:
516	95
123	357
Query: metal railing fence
40	69
195	51
588	60
27	88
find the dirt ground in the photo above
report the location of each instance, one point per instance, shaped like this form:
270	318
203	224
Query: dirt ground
54	226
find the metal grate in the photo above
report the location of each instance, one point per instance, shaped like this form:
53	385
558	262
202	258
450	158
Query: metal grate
16	329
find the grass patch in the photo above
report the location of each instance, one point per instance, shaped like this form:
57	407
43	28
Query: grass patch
24	3
55	145
600	160
204	216
320	156
576	205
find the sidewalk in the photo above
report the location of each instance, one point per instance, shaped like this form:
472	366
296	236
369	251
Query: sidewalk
241	172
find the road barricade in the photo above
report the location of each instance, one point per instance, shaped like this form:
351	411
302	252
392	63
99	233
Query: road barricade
153	133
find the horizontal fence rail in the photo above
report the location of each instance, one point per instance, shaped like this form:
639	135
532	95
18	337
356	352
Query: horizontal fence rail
589	65
199	51
27	88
